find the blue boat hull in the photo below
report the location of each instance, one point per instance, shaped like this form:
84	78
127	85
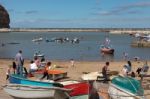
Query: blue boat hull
15	79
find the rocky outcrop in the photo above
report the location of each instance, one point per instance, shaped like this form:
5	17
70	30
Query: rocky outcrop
4	18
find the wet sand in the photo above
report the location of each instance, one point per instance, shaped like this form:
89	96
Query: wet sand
73	72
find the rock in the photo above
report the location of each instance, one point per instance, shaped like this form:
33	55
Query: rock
4	18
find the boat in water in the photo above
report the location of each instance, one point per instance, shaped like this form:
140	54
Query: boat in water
125	88
38	54
106	48
37	39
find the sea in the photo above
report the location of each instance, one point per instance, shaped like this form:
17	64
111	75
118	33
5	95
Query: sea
88	49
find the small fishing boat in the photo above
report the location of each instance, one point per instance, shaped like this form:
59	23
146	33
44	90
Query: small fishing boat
125	88
97	75
91	76
106	50
71	89
34	92
53	74
16	79
80	90
37	39
38	54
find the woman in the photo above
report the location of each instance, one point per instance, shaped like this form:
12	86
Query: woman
127	68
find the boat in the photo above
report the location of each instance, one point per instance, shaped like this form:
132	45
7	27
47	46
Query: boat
91	76
97	75
38	54
35	92
53	74
106	48
125	88
16	79
80	90
37	39
73	89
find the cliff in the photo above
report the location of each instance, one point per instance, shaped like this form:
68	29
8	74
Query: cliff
4	18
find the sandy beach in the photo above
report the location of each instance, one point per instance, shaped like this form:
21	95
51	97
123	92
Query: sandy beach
72	72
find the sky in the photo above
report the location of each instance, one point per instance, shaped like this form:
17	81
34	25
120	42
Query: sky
78	13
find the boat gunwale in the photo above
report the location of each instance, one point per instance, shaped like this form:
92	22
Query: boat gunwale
8	86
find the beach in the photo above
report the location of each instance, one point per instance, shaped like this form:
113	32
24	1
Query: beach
73	73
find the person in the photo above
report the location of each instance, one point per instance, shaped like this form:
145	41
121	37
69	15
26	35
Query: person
14	67
143	70
42	63
72	63
127	68
19	61
37	61
132	74
45	74
125	55
33	67
104	71
8	72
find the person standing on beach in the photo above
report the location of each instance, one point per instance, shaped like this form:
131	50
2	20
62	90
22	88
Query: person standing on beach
125	56
8	72
14	67
72	62
19	61
104	72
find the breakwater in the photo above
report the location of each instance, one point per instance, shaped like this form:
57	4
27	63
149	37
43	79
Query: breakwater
109	30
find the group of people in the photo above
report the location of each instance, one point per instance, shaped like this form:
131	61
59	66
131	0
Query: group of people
36	64
126	70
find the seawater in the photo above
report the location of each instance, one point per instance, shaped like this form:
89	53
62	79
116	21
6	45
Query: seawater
87	49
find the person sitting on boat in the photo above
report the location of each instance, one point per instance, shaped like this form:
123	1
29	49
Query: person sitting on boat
37	61
47	68
33	67
104	72
42	63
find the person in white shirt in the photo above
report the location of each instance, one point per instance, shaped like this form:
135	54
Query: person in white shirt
33	67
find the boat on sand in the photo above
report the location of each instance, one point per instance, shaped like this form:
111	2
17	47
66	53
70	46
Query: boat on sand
35	92
125	88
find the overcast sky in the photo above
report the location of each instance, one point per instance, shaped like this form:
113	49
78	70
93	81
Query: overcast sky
78	13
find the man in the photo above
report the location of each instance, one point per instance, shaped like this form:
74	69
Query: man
104	72
19	61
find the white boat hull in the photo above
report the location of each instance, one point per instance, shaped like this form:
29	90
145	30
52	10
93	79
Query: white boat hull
117	93
91	76
28	92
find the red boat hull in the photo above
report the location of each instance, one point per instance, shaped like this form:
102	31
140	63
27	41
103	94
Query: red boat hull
79	88
107	51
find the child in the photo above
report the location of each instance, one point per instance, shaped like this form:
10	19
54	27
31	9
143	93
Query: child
14	67
8	72
72	62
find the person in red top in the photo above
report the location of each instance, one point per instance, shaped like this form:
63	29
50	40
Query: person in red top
47	67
